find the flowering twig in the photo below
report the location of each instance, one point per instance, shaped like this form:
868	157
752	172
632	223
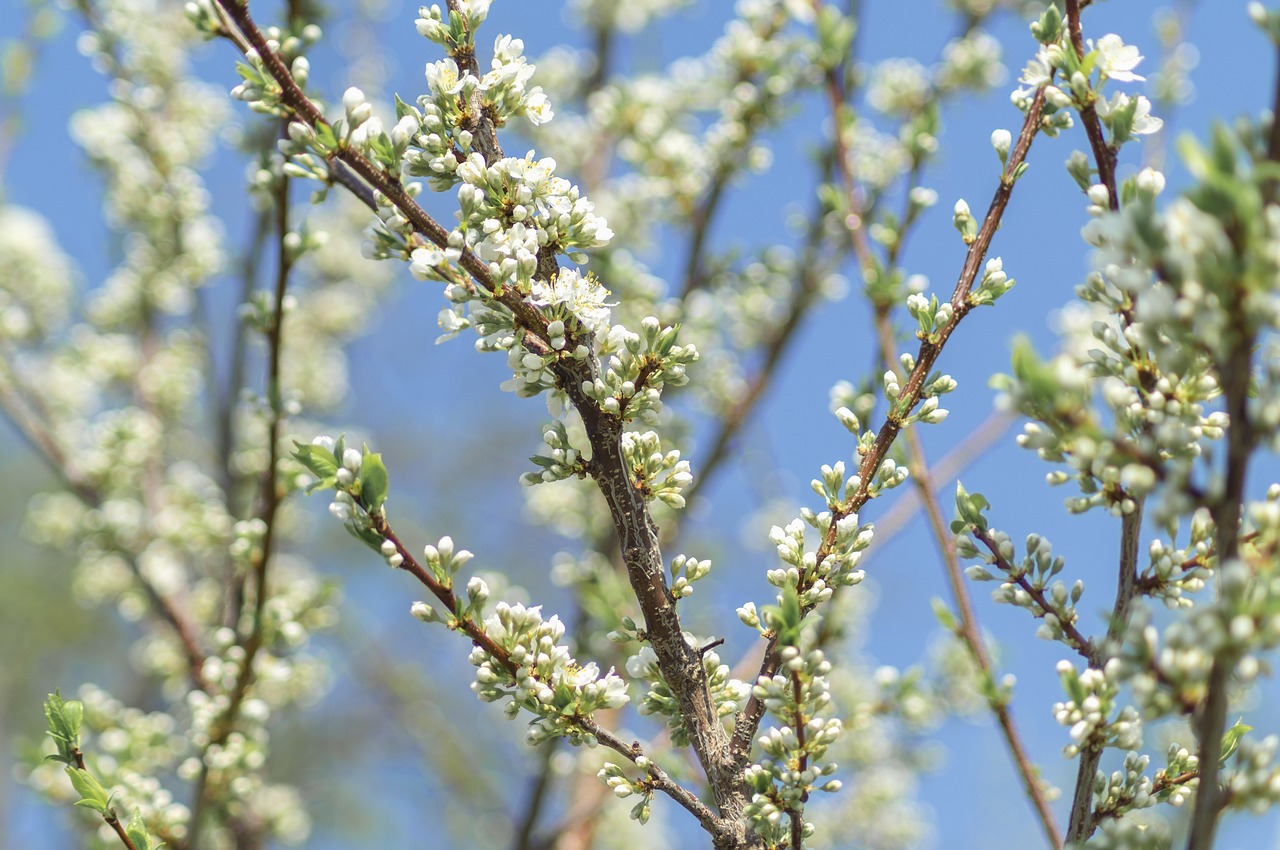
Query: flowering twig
715	826
1211	722
1104	157
968	631
1083	822
680	665
748	719
1081	644
704	212
269	498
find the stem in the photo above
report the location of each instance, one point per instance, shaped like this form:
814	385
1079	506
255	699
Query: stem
1081	644
796	814
1241	439
523	837
704	213
231	481
114	823
1211	723
739	414
715	826
110	814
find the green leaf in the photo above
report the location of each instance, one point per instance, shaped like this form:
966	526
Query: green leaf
374	481
137	832
73	714
1231	739
788	619
318	460
92	794
943	615
63	719
402	108
970	507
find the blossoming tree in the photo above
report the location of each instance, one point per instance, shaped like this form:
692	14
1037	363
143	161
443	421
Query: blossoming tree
183	449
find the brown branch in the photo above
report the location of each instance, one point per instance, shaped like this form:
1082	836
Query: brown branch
114	822
1211	723
479	124
1162	783
18	403
269	499
1242	437
522	838
968	631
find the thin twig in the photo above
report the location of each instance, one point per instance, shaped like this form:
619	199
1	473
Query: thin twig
1077	641
704	213
110	814
780	342
269	495
522	837
969	631
715	826
1211	723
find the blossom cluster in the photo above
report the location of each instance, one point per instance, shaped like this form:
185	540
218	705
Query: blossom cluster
793	762
543	678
